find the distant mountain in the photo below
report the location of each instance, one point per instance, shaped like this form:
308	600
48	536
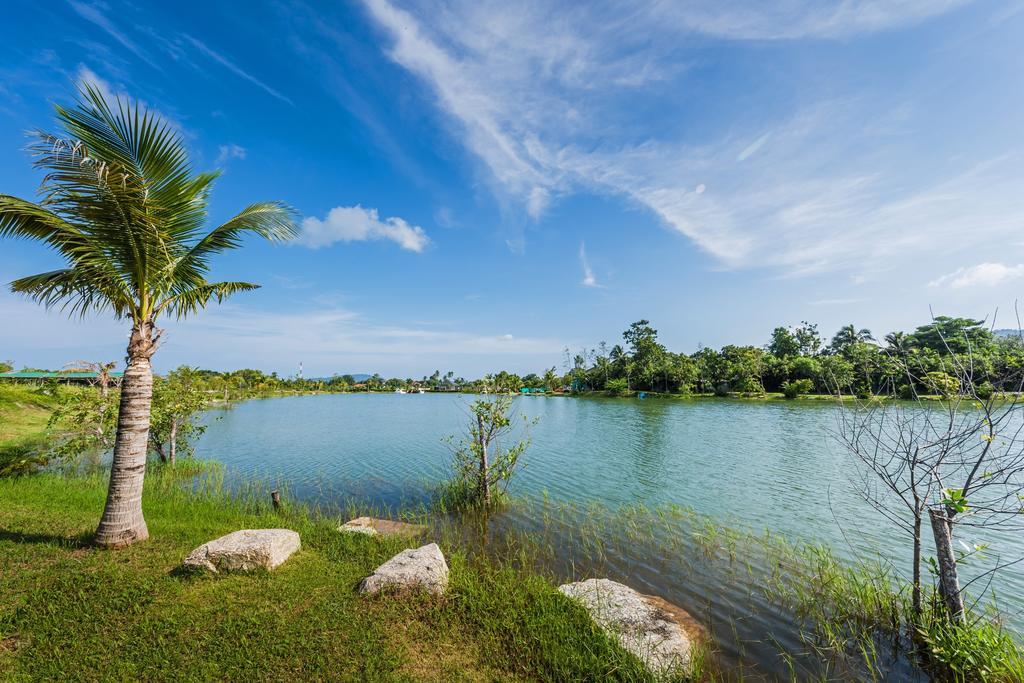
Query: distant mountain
1006	332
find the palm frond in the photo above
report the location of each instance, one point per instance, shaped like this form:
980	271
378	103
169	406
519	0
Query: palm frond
22	218
120	202
195	299
273	221
74	290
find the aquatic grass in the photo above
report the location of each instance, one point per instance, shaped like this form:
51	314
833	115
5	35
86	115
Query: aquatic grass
845	621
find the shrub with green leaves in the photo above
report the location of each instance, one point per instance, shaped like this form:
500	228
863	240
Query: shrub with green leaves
794	388
617	387
942	384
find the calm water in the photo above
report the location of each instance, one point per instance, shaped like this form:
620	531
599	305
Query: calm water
748	464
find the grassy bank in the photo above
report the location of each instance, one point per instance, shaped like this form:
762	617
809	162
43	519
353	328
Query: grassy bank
70	611
24	410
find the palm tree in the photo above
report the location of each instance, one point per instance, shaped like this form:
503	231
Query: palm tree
102	371
121	205
897	341
849	335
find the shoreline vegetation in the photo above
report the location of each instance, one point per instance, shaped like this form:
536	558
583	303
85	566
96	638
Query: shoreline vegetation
796	363
850	620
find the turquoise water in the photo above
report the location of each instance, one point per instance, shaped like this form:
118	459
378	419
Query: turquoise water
754	465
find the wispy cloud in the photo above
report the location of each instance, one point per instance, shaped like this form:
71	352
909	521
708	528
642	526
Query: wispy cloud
87	77
94	14
234	68
756	20
842	301
815	190
230	151
112	93
326	338
752	148
981	275
356	224
588	274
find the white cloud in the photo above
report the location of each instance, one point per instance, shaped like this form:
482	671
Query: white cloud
111	93
356	224
981	275
230	151
588	274
758	20
832	186
752	148
93	14
234	68
327	338
86	76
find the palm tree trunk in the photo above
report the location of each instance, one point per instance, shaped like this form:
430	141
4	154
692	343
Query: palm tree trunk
122	523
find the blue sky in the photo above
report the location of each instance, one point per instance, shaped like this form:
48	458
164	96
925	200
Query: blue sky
484	183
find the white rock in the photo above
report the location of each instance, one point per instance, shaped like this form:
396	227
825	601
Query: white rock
649	627
413	569
372	526
245	550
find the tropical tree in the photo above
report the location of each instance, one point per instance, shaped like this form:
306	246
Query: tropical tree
102	371
953	335
122	206
897	342
178	401
807	338
784	343
848	335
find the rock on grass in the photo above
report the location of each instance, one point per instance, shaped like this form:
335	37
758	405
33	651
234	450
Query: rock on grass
414	569
244	551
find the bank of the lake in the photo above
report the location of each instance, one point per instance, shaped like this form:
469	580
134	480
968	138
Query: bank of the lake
73	612
670	497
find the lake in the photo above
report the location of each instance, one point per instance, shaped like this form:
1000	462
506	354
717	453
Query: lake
752	465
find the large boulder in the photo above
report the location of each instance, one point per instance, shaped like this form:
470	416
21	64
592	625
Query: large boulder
244	551
372	526
414	569
652	629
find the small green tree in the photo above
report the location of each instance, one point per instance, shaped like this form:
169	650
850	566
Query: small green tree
617	386
794	388
86	420
178	401
482	466
942	384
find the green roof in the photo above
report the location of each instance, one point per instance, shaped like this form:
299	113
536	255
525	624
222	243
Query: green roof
54	375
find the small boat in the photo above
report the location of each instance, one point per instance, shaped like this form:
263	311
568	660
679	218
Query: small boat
399	391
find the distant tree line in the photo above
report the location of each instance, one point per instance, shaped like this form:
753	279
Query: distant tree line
798	360
795	361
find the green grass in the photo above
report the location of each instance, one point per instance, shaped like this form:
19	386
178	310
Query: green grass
24	410
69	611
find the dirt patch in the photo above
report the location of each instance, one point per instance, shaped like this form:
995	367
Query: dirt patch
10	643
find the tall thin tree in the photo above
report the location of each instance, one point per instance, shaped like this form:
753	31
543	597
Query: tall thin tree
122	206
